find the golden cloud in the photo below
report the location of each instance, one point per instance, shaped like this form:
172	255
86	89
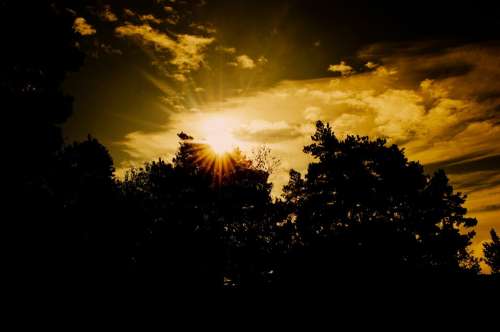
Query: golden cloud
149	18
261	131
342	68
108	15
243	61
168	9
187	50
82	27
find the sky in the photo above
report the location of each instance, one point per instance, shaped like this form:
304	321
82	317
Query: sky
424	75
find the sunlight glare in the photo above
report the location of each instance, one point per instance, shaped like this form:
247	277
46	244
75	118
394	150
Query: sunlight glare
218	135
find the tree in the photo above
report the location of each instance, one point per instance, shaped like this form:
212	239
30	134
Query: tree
364	209
201	219
491	251
87	235
32	73
42	50
263	159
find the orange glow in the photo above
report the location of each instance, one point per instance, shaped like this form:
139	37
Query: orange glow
218	164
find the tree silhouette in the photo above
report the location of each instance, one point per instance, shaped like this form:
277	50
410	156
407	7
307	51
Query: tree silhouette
202	218
491	251
263	159
86	192
42	48
31	74
364	209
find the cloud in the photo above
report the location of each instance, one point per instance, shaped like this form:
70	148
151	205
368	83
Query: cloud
168	9
82	27
147	34
260	131
243	61
384	71
108	15
204	28
475	184
226	49
180	77
172	17
153	145
312	113
149	18
262	60
187	50
488	208
128	12
342	68
488	163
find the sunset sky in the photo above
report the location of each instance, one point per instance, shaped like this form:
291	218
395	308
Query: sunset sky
425	75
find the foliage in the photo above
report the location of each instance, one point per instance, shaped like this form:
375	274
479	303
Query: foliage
263	159
208	226
364	207
491	252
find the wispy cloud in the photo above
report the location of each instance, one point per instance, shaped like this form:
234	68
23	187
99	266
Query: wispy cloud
226	49
261	131
82	27
108	15
128	12
187	51
244	61
168	9
149	18
343	68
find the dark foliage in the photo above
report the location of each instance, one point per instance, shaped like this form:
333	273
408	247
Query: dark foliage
40	48
492	252
364	210
197	225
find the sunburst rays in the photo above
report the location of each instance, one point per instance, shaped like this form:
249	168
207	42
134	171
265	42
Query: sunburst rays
217	164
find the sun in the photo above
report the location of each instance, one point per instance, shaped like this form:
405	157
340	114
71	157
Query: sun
218	145
218	134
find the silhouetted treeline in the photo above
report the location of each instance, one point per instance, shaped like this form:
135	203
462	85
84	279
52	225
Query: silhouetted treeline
361	213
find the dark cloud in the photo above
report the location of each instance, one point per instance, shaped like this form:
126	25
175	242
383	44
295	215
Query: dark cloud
487	208
491	95
489	163
432	167
471	172
289	29
476	182
447	70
